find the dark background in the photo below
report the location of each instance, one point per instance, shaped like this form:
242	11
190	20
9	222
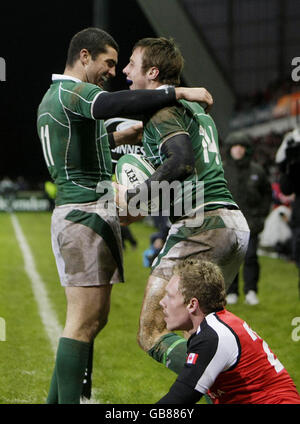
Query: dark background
253	41
34	38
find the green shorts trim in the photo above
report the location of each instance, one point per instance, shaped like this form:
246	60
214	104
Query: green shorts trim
184	233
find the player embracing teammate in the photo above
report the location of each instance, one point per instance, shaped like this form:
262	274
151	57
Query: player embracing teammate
86	239
181	142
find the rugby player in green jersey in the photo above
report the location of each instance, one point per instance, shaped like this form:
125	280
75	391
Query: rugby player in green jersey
85	235
181	141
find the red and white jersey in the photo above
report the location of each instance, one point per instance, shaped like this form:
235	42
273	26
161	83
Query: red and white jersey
232	364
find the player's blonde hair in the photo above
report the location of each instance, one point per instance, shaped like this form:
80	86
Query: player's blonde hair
204	281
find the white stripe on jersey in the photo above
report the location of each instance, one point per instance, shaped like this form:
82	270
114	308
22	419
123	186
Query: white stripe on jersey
101	150
51	116
76	94
225	356
93	102
69	126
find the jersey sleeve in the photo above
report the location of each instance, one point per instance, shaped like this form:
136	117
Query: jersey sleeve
207	357
79	98
165	123
180	394
186	389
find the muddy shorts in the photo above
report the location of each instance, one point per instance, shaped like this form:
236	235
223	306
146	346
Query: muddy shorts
221	238
86	241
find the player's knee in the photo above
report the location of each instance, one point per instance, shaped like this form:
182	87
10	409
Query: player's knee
144	334
149	333
90	330
100	324
152	324
147	340
141	339
145	343
85	330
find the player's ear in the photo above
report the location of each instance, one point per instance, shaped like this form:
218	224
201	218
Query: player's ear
193	305
153	73
84	56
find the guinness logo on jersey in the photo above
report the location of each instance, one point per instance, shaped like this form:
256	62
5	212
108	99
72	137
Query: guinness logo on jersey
127	148
119	124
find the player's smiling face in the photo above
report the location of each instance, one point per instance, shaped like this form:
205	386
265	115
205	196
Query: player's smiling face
103	68
175	310
136	77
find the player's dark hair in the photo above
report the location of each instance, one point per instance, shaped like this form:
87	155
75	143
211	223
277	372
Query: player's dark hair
95	40
165	56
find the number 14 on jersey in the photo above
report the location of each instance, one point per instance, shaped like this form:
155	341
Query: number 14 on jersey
209	144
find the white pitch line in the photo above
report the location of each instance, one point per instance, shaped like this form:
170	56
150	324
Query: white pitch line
47	314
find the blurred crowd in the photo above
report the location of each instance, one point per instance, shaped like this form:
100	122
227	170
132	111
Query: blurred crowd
279	99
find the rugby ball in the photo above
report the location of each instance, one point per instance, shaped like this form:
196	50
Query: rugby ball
132	170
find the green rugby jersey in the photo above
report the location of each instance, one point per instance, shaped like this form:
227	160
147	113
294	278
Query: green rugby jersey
191	119
75	145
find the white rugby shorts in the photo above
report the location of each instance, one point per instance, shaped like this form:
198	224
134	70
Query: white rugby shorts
86	242
222	238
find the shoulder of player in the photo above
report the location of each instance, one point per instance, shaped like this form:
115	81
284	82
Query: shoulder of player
182	110
205	333
205	342
218	325
166	114
176	109
215	341
79	88
193	107
78	96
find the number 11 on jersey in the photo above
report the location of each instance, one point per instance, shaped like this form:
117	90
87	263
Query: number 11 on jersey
45	138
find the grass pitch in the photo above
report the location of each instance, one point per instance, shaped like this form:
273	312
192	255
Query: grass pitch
123	374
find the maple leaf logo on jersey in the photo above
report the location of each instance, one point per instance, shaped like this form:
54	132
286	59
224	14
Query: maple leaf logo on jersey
192	358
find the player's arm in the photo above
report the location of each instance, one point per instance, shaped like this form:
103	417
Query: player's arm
200	95
179	165
180	161
132	135
132	102
180	393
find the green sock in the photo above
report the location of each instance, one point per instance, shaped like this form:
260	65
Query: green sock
170	350
87	380
53	390
71	362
